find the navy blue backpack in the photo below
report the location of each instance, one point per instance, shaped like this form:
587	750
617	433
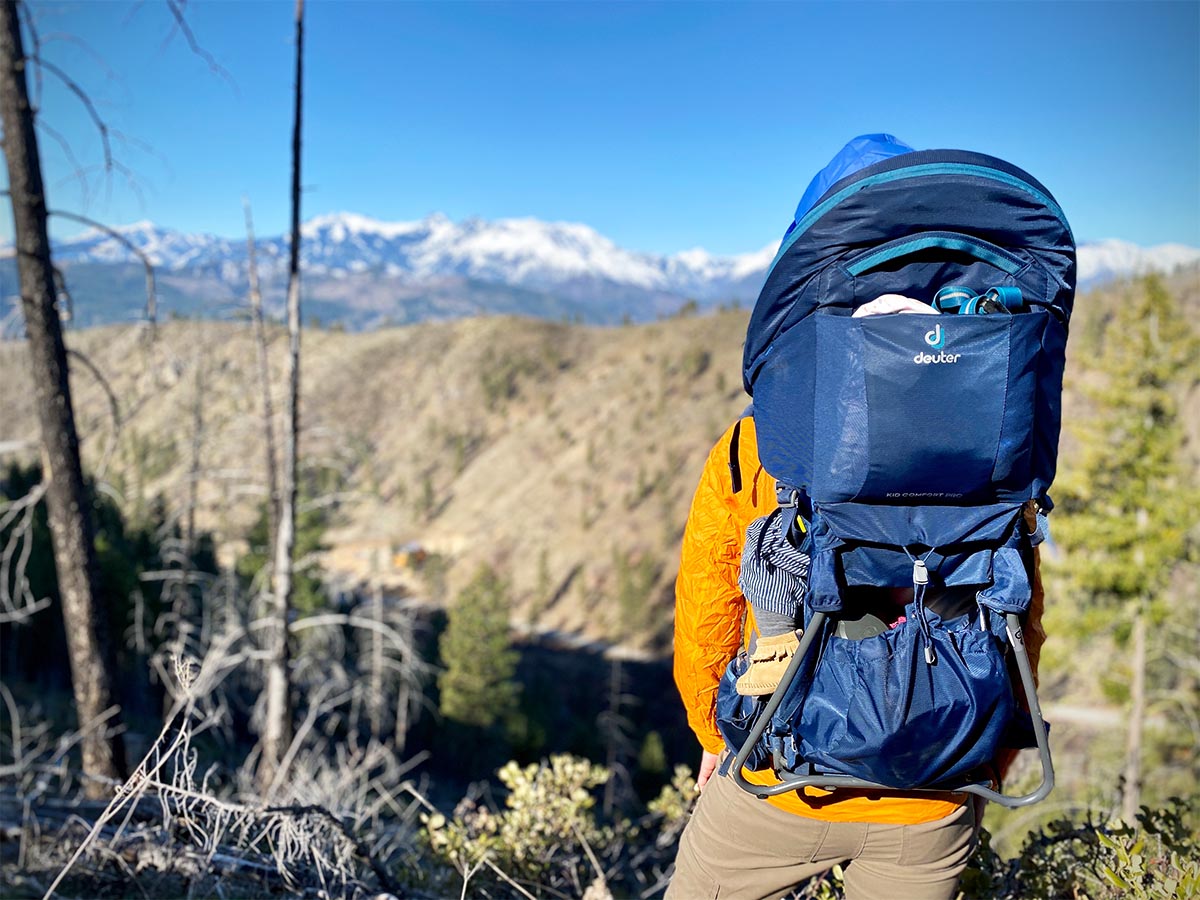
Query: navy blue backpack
910	446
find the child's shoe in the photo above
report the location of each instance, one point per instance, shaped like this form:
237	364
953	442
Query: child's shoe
768	661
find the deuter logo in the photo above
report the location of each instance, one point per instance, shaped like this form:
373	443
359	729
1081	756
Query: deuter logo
937	340
923	358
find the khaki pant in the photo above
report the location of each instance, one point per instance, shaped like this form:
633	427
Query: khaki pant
737	846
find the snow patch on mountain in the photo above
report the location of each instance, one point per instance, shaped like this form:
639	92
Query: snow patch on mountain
1101	261
522	252
560	258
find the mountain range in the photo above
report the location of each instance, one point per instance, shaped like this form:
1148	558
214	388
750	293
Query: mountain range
364	273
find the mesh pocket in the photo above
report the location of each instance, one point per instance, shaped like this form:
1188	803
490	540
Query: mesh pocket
922	409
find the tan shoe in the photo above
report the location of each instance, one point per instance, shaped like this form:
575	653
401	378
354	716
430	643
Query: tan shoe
770	659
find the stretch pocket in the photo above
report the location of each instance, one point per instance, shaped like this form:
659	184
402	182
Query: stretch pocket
878	711
920	409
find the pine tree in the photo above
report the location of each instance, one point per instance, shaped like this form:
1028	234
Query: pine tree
477	686
1128	505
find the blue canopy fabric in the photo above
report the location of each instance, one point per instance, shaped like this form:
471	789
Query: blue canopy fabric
912	223
858	153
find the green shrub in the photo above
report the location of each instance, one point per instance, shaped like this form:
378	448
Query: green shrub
540	834
1090	860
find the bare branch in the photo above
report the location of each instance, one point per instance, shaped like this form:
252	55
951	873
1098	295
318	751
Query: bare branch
83	98
14	715
8	618
151	287
114	409
15	556
316	707
78	172
129	140
65	37
215	67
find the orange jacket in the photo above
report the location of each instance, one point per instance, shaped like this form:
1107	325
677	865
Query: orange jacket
710	613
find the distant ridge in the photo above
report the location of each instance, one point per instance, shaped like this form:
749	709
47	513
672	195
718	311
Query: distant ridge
364	272
1104	261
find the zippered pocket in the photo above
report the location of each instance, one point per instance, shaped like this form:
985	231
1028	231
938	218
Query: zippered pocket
949	241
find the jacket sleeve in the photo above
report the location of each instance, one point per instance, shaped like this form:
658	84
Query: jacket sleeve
709	607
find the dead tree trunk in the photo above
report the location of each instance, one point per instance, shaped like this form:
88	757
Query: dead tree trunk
406	682
86	621
264	376
375	704
277	733
183	606
1131	797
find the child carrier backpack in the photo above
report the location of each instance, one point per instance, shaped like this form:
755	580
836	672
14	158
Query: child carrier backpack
907	449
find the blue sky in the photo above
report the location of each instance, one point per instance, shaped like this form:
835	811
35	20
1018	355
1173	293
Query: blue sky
663	125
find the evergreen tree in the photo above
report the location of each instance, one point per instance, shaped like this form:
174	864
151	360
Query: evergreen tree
477	685
309	595
1128	505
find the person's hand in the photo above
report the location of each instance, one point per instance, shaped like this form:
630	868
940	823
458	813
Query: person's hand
708	765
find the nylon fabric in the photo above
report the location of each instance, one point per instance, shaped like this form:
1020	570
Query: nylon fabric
983	202
709	612
858	153
906	408
878	710
940	240
841	424
922	446
1010	590
857	544
928	526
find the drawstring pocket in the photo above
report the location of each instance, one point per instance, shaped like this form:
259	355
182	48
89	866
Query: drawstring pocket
920	586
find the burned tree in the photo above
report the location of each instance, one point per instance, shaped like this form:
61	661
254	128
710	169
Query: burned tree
68	505
277	730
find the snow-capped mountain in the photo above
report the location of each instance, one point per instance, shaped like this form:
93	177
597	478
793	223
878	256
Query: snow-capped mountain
518	252
363	271
1103	261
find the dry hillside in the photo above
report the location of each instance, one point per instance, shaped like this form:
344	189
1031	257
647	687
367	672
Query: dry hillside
563	455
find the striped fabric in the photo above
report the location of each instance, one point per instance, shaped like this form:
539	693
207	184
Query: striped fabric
774	574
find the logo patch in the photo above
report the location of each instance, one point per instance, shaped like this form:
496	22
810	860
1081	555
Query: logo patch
936	339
